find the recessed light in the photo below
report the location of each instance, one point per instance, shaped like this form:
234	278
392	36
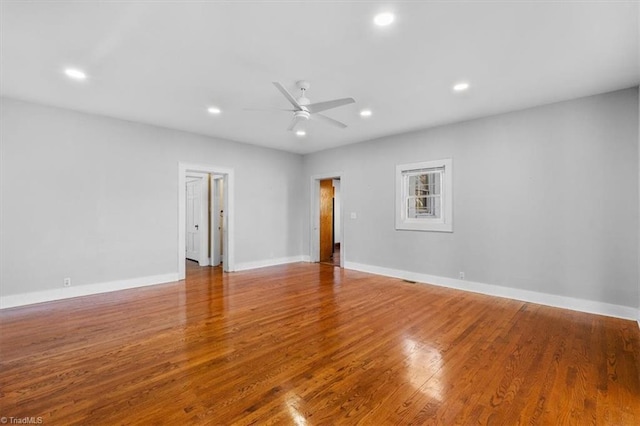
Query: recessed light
213	110
461	87
365	113
384	19
75	73
301	133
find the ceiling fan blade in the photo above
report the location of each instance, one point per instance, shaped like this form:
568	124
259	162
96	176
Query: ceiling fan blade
268	109
287	95
330	120
294	123
323	106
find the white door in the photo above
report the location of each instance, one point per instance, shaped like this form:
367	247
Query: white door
194	197
216	221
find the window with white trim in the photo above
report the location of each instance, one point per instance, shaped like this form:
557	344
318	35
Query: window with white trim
424	196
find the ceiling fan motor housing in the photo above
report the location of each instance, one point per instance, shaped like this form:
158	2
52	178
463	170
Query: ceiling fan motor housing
302	114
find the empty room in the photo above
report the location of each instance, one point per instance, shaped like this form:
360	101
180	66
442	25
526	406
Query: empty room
319	213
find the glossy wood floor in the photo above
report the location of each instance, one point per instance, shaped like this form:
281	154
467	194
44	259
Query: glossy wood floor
313	344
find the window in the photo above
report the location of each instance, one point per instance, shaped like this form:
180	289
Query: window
424	196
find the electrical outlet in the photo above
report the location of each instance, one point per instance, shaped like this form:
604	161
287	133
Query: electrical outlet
461	275
67	282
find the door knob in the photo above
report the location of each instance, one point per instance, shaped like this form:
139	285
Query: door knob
197	227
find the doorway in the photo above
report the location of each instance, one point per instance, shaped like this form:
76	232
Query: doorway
326	220
217	242
326	240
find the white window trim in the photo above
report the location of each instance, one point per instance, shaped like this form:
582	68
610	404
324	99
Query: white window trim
442	224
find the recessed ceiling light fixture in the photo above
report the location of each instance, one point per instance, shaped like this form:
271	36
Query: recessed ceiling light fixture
301	133
214	110
461	86
75	73
383	19
365	113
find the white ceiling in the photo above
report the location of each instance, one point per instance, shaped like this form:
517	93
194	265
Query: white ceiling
164	62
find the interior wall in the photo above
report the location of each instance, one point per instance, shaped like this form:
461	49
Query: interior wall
96	199
545	199
541	198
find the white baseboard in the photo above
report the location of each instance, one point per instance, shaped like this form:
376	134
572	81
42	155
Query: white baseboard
22	299
582	305
243	266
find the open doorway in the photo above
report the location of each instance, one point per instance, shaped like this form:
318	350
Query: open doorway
205	199
326	240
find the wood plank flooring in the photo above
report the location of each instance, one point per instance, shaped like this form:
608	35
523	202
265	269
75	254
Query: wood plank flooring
310	344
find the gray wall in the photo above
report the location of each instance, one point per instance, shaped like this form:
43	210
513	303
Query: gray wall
96	199
545	199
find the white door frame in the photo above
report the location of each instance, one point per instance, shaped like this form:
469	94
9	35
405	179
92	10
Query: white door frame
314	218
228	173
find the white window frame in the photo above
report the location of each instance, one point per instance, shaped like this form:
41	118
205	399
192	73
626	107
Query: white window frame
442	224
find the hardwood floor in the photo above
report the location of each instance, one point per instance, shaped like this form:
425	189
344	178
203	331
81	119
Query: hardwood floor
313	344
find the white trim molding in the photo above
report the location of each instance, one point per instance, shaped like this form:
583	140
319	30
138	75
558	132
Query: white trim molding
574	304
22	299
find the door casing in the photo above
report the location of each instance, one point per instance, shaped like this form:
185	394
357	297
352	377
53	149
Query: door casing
228	176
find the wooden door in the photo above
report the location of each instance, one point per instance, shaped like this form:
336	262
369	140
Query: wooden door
326	220
194	197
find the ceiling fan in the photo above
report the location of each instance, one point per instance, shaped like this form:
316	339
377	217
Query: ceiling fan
303	109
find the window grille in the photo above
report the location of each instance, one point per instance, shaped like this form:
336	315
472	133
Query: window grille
424	193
